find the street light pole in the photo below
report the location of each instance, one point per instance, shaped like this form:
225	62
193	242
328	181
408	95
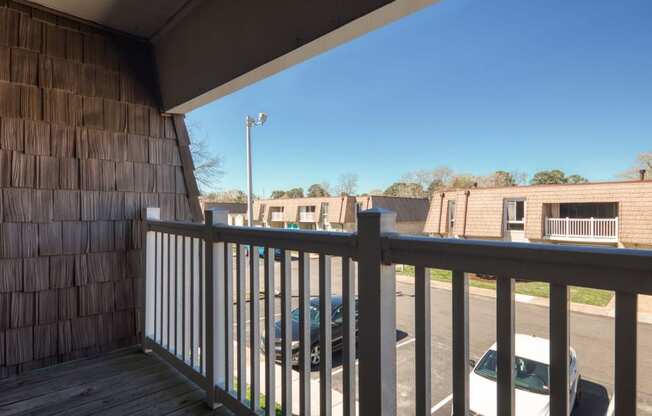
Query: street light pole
249	123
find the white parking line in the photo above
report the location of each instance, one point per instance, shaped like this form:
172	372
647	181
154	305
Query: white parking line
405	342
399	345
441	403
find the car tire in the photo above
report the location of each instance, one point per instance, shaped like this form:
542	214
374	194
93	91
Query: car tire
578	392
315	355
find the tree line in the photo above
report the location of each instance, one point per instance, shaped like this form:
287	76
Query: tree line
424	183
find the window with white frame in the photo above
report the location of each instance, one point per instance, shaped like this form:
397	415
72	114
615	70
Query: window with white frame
450	216
515	214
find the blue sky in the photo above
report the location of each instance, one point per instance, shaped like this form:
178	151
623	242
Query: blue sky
474	85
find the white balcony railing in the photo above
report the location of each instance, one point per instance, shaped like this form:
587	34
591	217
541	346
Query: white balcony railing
305	216
277	216
198	315
582	229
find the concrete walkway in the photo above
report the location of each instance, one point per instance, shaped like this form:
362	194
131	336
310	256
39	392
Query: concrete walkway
644	301
337	399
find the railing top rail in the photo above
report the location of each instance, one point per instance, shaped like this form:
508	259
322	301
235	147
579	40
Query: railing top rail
324	242
627	270
188	229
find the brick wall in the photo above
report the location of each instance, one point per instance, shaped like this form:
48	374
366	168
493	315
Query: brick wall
484	214
83	147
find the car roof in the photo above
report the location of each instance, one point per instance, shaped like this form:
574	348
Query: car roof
531	347
336	301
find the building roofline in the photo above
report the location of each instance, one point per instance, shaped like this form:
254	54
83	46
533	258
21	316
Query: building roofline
632	181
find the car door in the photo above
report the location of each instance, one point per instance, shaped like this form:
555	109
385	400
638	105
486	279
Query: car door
338	325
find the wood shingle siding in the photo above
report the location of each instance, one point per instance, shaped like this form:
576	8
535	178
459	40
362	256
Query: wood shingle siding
24	66
37	138
36	274
83	148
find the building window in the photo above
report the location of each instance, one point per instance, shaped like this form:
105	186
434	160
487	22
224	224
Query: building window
451	216
515	214
308	208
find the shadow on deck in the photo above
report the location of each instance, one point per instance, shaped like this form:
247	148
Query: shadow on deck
124	382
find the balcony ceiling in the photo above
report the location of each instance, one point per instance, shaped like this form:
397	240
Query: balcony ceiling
142	18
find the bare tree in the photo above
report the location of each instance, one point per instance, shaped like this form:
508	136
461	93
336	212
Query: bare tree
643	161
208	165
430	180
347	184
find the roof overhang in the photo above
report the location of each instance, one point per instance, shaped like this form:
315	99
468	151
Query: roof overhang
206	49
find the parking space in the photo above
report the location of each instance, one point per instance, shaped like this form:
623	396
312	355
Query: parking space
587	332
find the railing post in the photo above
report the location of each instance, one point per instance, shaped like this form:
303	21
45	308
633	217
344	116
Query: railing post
214	306
592	227
148	247
377	305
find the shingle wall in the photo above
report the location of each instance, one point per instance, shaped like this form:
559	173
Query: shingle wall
83	147
484	214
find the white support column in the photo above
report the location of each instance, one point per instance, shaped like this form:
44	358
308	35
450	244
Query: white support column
377	304
148	247
214	306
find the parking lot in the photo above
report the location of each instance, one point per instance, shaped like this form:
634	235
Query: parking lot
591	336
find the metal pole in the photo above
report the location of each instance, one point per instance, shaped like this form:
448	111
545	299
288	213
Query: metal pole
250	215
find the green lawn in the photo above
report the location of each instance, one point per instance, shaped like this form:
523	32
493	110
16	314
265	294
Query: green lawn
584	295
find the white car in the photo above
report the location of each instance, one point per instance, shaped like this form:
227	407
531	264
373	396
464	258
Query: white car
532	392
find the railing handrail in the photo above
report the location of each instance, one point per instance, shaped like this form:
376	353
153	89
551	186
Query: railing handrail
561	219
608	268
207	256
556	261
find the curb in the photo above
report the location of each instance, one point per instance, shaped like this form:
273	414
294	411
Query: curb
605	311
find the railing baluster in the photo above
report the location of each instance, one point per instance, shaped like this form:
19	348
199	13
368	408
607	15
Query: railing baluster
228	316
156	289
304	333
159	285
625	351
559	352
422	331
505	345
161	339
169	301
149	262
210	312
241	305
254	326
286	331
325	338
270	335
349	336
460	310
192	302
202	301
184	294
177	293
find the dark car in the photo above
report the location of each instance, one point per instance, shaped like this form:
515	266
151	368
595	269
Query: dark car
337	321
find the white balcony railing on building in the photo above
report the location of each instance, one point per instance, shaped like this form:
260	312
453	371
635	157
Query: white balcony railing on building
278	216
305	216
589	229
199	280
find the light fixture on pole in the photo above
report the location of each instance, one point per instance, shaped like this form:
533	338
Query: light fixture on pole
249	123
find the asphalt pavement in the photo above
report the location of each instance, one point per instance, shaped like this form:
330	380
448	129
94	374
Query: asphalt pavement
592	337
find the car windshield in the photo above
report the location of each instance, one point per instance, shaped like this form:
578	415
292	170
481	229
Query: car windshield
314	315
530	375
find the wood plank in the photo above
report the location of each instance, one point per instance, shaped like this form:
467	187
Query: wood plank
115	389
64	392
143	382
50	374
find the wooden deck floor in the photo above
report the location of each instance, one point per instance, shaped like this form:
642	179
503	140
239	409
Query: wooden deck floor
124	382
